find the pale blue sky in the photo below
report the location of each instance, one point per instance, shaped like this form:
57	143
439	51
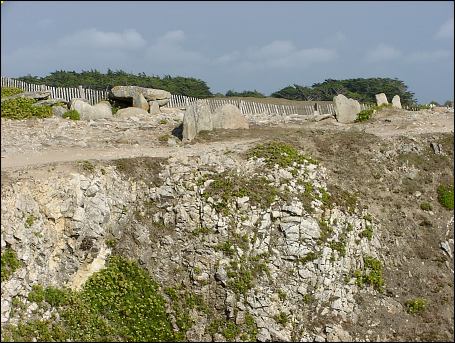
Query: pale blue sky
237	45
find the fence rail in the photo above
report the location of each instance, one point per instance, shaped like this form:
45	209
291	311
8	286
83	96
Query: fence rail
181	101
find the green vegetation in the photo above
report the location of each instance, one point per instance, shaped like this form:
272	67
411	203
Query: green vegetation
339	246
279	153
445	196
227	186
9	263
252	94
164	138
363	90
119	303
87	166
281	318
371	275
415	306
246	331
10	91
29	221
94	79
21	108
425	206
367	233
111	242
73	115
163	121
326	231
311	256
368	113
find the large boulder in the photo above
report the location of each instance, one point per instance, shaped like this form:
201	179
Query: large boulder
381	99
40	95
88	112
396	102
346	109
131	112
229	116
59	111
140	102
150	94
197	118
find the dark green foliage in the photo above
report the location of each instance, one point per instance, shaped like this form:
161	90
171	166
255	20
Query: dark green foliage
9	91
281	318
73	115
367	232
253	94
363	90
279	153
21	108
445	196
9	263
311	256
94	79
36	294
415	306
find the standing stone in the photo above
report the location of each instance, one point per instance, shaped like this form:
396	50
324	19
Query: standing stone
197	118
154	107
346	109
229	116
381	99
396	101
140	102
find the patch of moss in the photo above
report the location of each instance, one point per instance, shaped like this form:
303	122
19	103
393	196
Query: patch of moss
425	206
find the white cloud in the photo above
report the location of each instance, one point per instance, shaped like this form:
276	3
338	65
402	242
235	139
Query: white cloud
445	30
96	39
383	52
278	54
170	48
428	56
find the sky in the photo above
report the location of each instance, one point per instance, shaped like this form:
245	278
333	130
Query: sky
238	45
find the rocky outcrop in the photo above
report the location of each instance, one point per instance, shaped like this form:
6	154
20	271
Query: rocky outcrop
229	116
244	257
88	112
59	111
396	101
40	95
381	99
346	109
51	102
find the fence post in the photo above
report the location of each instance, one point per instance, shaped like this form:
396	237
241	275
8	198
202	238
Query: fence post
81	92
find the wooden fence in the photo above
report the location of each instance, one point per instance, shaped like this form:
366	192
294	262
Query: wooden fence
181	101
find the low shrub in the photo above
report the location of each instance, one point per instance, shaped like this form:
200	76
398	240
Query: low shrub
9	91
368	113
73	115
9	263
415	306
21	108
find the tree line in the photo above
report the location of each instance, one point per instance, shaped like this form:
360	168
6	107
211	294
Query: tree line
361	89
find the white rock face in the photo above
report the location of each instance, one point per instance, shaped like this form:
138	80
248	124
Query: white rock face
197	118
381	99
346	109
229	116
396	102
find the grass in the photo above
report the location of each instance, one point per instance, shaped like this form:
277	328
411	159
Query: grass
73	115
415	306
445	196
9	263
